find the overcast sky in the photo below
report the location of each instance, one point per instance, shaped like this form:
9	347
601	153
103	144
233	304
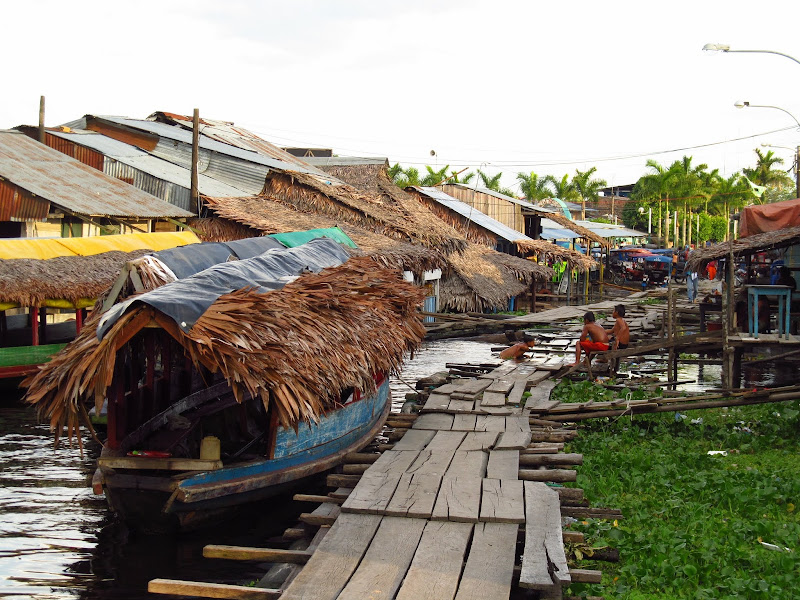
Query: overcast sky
502	86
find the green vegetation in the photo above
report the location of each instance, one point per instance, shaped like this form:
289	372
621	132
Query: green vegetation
696	526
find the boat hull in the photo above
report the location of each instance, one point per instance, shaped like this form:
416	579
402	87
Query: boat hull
154	502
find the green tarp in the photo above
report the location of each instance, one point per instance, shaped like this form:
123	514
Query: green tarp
298	238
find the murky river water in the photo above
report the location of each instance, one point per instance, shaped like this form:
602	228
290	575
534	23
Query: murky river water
57	540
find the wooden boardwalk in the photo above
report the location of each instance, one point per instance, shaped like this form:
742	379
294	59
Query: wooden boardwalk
440	513
461	506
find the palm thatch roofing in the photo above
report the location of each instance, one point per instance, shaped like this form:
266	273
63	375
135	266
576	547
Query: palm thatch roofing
31	281
295	348
256	215
770	240
548	252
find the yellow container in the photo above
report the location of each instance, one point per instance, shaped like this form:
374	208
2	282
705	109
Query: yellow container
209	448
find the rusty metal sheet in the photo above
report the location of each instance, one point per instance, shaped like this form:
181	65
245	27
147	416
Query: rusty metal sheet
63	181
18	205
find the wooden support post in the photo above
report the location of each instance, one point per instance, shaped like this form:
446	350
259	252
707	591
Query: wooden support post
41	120
728	354
195	193
33	317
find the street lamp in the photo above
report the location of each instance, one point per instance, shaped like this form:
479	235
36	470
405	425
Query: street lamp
727	48
740	104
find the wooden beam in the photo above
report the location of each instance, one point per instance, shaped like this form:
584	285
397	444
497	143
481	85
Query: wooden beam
273	555
210	590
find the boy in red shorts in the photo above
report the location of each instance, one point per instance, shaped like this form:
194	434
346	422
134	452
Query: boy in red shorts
593	338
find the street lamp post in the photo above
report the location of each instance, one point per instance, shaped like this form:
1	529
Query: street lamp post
727	48
740	104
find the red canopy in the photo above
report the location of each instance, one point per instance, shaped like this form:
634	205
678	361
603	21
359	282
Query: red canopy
769	217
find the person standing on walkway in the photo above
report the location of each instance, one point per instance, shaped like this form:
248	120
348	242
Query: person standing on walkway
692	284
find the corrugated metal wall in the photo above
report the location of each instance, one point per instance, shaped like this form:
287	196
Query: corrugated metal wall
243	175
169	192
17	204
81	153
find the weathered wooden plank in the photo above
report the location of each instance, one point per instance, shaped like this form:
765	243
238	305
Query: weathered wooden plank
503	464
437	456
447	388
387	560
490	564
461	406
537	377
436	567
490	423
502	500
544	546
415	439
210	590
518	423
515	395
479	440
540	394
586	576
560	458
436	401
415	496
513	440
471	385
324	514
335	560
469	463
163	464
493	399
459	500
435	421
504	370
273	555
376	487
464	423
502	385
493	410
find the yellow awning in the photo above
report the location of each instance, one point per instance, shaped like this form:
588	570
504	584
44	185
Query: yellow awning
87	246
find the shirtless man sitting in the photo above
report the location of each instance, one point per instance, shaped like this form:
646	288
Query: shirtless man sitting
593	338
620	334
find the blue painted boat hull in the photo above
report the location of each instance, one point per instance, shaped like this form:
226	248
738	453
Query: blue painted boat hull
190	501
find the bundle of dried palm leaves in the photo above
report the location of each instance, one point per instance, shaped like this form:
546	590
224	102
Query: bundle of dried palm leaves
295	348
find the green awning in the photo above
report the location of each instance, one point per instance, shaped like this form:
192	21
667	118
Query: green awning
298	238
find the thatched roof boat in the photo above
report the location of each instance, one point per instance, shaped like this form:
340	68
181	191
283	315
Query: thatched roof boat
304	363
760	242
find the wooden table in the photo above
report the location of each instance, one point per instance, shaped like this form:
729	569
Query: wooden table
784	295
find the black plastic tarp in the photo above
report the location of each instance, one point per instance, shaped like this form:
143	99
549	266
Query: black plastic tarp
186	261
185	300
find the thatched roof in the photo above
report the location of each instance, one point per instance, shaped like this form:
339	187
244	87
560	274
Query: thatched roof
548	251
481	279
342	202
30	281
295	348
260	215
581	231
760	242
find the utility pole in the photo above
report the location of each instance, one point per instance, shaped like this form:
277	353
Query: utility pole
41	120
195	193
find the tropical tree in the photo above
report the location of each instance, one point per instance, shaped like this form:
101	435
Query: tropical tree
434	177
775	180
587	188
493	183
533	187
654	186
562	188
404	177
456	177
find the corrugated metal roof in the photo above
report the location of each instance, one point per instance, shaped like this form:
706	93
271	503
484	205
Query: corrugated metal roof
142	161
472	214
72	185
609	230
344	161
180	134
553	231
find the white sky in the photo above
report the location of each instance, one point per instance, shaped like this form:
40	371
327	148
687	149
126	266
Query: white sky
505	86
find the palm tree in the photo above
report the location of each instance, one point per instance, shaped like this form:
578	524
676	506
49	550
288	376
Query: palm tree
562	188
490	183
764	174
687	183
456	178
732	193
533	187
434	177
587	188
404	177
654	186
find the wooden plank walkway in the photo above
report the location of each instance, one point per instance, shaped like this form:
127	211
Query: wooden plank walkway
437	515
